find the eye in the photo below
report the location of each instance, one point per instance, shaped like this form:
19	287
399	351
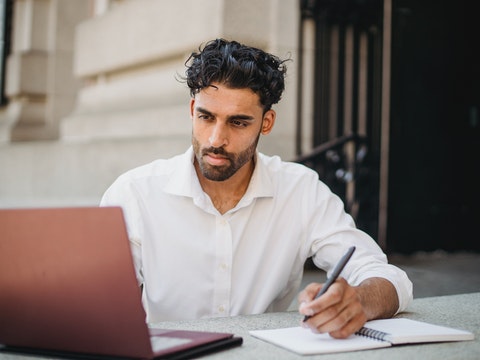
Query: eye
238	123
204	117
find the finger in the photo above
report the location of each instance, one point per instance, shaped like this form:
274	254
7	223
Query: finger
309	293
333	296
306	296
341	319
326	320
350	327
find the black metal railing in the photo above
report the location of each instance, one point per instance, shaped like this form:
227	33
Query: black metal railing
341	163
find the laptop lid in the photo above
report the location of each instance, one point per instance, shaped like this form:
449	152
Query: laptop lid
67	282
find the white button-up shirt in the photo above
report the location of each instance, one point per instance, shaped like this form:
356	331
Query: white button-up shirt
194	262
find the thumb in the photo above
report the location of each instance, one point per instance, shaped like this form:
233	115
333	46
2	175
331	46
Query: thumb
309	293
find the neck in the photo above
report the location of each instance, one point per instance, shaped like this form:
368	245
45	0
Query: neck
226	194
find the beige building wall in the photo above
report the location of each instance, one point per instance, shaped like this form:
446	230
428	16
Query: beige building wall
93	88
40	84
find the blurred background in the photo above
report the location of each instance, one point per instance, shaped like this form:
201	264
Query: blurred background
382	100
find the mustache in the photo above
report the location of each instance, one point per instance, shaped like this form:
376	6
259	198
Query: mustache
216	151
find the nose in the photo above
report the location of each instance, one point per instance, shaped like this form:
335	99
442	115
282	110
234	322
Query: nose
218	137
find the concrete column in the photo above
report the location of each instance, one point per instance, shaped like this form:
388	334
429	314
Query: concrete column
39	79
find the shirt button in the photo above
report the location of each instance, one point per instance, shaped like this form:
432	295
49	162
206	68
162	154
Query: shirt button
223	266
221	309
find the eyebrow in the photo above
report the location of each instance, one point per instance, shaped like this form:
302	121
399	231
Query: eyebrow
230	117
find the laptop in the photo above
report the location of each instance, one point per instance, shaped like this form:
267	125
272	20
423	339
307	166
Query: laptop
68	288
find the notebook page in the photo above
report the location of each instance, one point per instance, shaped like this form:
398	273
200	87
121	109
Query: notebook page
403	331
305	342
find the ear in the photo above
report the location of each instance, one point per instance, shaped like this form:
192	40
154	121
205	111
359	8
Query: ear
268	121
192	107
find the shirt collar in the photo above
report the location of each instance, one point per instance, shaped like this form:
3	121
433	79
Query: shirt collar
184	180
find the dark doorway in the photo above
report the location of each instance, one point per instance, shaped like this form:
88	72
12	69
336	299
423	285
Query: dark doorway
434	137
434	166
347	102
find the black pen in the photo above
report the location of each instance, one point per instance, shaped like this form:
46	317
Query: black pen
338	269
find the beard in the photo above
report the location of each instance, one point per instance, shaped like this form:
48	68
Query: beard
222	173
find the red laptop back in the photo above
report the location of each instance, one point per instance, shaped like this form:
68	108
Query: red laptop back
54	267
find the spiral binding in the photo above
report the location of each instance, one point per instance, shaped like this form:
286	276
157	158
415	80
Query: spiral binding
373	334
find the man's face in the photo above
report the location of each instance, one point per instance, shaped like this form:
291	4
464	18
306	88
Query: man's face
226	126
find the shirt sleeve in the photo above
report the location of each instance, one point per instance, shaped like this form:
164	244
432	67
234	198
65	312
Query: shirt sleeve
333	231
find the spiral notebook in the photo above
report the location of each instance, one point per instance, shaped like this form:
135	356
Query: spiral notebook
375	334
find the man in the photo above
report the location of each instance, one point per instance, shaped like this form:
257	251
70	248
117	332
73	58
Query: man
225	230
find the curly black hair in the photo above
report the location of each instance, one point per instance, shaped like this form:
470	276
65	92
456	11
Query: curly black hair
237	66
